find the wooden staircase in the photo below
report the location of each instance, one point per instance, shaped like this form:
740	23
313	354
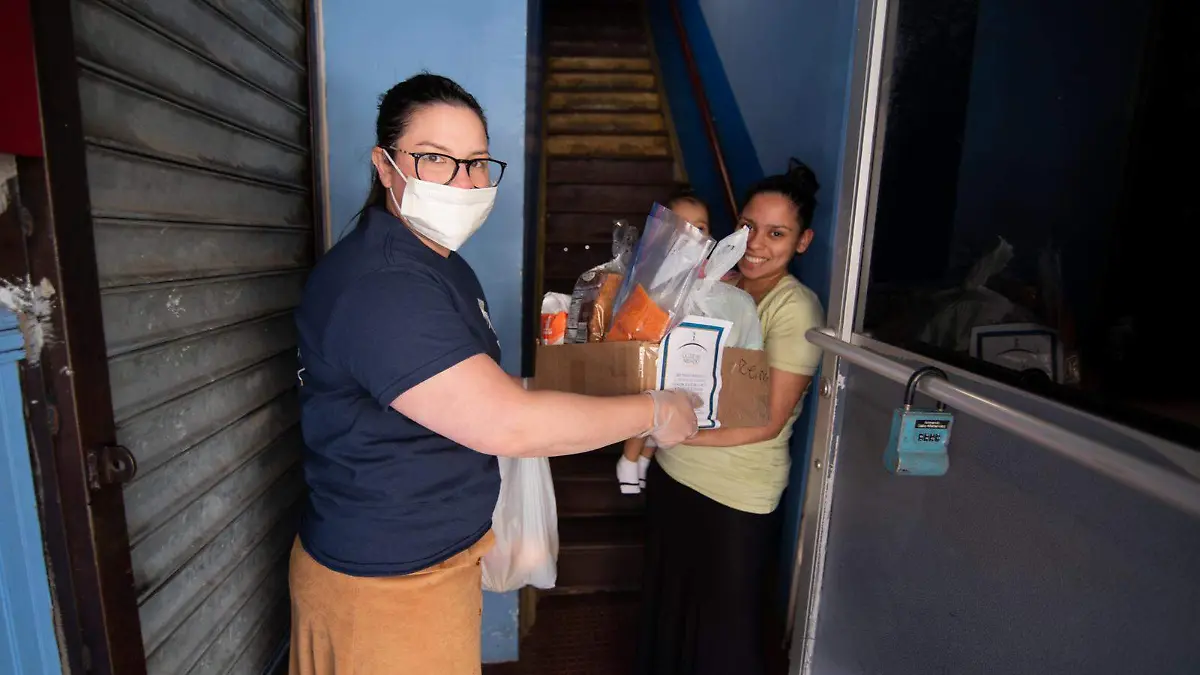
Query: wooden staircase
609	155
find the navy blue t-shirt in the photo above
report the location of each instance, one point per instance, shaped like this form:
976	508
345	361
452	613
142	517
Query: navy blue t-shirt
381	313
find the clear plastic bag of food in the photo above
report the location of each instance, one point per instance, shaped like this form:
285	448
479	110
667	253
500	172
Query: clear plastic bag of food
596	291
713	298
655	294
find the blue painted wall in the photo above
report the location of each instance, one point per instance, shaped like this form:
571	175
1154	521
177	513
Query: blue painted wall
741	157
27	642
777	76
371	45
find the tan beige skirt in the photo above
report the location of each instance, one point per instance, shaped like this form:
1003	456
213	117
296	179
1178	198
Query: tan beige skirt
424	623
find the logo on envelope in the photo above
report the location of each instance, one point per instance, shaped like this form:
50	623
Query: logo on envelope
692	352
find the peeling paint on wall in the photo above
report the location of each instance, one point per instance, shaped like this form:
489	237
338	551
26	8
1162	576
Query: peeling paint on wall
32	304
8	171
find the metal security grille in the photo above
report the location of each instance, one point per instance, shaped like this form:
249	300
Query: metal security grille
197	129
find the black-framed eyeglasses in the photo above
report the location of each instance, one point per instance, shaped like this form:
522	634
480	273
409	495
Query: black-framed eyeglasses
435	167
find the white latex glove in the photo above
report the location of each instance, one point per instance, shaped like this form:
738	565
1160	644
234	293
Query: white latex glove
674	417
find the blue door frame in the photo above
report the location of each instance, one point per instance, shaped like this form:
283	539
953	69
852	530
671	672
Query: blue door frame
27	643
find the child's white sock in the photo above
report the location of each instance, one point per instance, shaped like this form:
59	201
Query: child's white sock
643	465
627	477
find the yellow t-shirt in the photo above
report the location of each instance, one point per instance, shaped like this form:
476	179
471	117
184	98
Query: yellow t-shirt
752	477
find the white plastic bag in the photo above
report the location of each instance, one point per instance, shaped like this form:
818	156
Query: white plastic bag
525	523
716	299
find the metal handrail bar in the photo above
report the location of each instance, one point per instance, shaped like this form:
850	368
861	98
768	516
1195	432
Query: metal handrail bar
1166	486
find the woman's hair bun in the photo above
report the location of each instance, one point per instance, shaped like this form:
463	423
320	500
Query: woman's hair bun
802	177
799	184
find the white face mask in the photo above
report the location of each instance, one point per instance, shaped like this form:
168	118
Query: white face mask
443	214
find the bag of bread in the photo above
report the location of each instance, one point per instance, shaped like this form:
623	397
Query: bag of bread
596	291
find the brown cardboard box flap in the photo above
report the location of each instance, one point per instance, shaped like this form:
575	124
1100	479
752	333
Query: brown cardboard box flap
618	368
745	399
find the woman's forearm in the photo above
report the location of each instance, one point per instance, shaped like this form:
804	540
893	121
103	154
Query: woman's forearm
554	423
481	407
725	438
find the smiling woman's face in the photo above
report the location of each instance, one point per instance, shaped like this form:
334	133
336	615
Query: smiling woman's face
776	235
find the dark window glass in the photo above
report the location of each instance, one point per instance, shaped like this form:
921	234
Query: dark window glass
1038	196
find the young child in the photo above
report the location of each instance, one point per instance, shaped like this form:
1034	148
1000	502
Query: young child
635	458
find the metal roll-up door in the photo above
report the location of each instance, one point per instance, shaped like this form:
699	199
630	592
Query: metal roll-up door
197	150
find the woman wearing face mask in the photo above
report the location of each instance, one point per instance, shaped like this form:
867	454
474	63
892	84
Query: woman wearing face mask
405	408
711	505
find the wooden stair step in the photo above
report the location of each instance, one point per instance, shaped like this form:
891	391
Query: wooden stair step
599	81
608	146
585	486
568	261
587	13
568	5
610	171
624	33
603	553
623	531
631	64
552	284
595	499
589	228
593	48
582	101
604	198
577	14
610	122
587	465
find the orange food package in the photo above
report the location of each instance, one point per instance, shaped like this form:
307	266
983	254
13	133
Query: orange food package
639	319
554	328
603	306
554	318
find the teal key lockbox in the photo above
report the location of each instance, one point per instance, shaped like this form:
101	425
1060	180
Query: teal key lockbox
920	438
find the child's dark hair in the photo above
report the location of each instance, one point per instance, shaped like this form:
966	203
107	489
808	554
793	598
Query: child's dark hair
400	103
685	193
799	185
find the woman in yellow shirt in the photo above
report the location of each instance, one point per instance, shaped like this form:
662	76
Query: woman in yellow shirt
711	505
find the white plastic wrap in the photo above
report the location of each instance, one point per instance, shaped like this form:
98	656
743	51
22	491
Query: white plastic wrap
656	292
718	300
525	523
971	305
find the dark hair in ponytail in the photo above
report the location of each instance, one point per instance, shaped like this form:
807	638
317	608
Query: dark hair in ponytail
799	185
399	104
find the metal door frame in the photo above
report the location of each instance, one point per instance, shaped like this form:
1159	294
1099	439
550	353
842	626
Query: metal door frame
866	121
318	115
69	404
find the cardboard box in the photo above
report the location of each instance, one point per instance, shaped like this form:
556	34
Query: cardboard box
618	368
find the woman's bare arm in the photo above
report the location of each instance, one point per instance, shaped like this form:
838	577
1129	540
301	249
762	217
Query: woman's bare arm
786	390
478	405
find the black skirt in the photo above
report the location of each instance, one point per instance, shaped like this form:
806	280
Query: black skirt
704	584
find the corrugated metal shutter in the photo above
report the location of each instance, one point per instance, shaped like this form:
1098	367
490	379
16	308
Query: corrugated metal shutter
195	114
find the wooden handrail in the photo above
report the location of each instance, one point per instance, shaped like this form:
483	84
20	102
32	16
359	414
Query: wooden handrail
710	128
